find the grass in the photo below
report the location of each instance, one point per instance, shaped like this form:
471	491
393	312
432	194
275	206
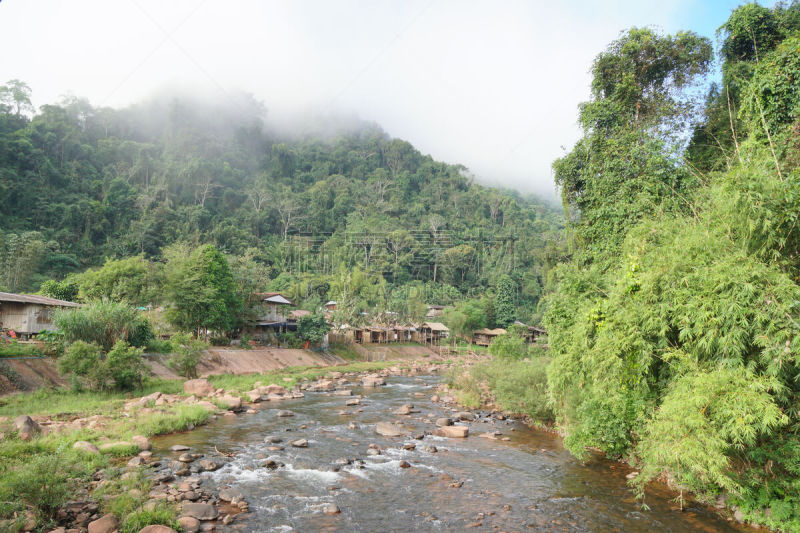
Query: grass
290	376
345	350
19	349
125	498
517	386
60	401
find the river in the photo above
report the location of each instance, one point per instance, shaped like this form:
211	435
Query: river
527	483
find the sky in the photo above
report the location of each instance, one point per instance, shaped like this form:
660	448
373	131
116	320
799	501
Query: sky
490	84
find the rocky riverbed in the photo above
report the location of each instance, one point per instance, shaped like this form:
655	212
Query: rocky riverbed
384	452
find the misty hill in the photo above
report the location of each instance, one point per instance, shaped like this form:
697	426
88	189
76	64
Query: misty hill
303	198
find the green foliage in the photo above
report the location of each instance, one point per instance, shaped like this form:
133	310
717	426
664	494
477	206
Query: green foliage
104	323
504	302
466	317
126	366
312	328
122	368
201	290
44	485
61	290
518	387
511	345
186	355
127	280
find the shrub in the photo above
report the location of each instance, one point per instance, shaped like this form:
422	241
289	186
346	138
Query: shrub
510	345
186	355
104	323
83	361
126	366
122	368
219	341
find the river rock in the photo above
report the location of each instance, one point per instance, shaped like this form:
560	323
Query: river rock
389	430
272	389
284	414
230	494
107	524
403	409
26	427
404	464
332	508
254	396
200	511
179	448
157	529
343	392
444	422
207	465
435	398
352	401
324	385
198	387
272	439
189	524
188	457
234	403
455	432
142	442
465	415
86	447
300	443
372	381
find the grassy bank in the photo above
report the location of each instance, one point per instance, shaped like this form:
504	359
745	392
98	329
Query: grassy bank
516	386
37	477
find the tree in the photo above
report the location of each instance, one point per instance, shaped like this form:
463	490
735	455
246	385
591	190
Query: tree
505	296
312	328
128	280
201	290
63	290
16	95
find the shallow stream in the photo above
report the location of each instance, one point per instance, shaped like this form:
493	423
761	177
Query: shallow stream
527	483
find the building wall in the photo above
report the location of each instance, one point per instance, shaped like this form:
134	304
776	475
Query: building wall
26	318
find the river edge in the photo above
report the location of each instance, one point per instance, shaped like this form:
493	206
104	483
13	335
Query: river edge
94	435
159	499
720	508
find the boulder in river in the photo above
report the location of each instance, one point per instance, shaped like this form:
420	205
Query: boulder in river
189	524
198	387
157	529
285	413
300	443
106	524
272	439
444	421
200	511
388	429
454	432
403	409
142	442
352	401
372	381
207	465
332	508
179	448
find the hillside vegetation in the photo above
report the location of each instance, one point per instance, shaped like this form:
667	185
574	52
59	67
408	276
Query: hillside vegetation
326	210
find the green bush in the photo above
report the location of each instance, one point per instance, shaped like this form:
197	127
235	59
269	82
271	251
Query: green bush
126	366
219	341
104	323
84	363
186	355
122	368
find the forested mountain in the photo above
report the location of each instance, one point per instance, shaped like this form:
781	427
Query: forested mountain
674	327
304	206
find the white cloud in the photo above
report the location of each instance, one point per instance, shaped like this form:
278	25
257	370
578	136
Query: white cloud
492	85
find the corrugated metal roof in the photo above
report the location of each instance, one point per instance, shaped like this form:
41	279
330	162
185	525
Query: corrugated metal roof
35	299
